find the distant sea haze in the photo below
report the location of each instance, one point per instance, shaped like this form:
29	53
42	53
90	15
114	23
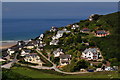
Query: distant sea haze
25	29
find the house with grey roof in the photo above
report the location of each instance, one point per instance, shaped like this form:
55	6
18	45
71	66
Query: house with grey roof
33	58
58	52
65	59
60	33
91	54
25	52
53	29
31	44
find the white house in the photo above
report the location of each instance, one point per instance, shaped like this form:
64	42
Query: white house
91	54
57	52
41	36
109	68
65	59
25	52
54	42
60	33
55	37
32	44
99	69
33	58
10	51
53	29
21	43
75	26
93	17
2	60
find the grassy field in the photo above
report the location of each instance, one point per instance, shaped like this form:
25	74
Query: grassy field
52	74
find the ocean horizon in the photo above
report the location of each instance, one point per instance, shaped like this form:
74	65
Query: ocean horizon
25	29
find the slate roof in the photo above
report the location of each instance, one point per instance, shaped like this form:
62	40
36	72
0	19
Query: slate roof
56	51
85	29
32	54
54	41
64	56
61	32
93	50
101	32
27	51
64	61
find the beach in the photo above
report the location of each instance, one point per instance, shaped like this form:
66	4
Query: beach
5	45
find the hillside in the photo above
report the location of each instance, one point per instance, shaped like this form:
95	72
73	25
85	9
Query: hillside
72	43
110	44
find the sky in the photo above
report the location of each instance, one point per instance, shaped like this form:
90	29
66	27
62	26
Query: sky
69	10
60	0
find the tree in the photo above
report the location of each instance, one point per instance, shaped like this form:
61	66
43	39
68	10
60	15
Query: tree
81	64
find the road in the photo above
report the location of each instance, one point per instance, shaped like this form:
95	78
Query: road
54	66
9	65
45	57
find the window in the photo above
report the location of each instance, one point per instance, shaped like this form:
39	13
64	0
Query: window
89	57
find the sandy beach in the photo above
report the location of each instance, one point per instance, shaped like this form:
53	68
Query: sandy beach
4	45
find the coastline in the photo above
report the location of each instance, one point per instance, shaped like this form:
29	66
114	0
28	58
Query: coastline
9	43
5	45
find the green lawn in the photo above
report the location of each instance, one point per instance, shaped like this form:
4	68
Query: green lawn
52	74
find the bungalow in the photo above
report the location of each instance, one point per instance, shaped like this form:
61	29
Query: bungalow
85	30
65	59
99	69
91	54
93	17
20	43
60	33
41	44
101	33
54	37
57	52
53	29
30	46
1	59
54	42
41	36
33	58
10	51
25	52
75	26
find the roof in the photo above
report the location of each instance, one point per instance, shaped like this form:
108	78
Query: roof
63	56
85	29
54	41
61	32
56	51
64	61
27	50
31	54
101	32
31	43
22	42
93	50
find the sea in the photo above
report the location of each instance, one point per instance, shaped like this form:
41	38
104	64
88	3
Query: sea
25	29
